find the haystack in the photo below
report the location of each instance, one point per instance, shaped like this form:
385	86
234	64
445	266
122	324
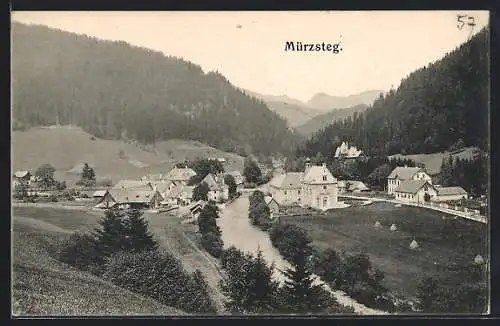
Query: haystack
414	244
393	227
377	224
479	260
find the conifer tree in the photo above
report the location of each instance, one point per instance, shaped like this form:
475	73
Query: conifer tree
136	234
109	236
249	286
201	301
299	294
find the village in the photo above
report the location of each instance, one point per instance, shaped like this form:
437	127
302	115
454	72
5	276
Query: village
314	188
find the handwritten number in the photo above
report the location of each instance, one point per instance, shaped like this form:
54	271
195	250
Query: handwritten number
461	22
471	23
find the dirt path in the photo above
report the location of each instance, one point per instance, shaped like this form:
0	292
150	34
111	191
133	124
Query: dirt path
237	231
169	232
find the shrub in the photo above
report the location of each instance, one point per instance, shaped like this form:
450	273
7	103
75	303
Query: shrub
212	243
80	251
162	277
53	198
288	238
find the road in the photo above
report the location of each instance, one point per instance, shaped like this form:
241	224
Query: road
468	216
239	232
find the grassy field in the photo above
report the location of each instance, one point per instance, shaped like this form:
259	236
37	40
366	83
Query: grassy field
433	161
44	286
65	148
442	242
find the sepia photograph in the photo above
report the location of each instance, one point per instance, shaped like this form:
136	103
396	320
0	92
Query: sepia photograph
250	163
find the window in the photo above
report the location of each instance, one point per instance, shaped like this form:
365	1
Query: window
324	178
285	192
298	192
324	187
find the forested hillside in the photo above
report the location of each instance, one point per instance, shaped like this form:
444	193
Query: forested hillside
115	90
435	107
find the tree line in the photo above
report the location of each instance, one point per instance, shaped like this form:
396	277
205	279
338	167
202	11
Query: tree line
118	91
470	173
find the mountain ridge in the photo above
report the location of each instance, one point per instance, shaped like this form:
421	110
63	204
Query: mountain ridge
298	113
115	90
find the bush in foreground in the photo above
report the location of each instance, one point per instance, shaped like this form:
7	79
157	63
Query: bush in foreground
162	277
80	250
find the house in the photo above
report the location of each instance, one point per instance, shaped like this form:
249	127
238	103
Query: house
218	190
238	178
130	198
400	174
133	184
99	194
196	208
274	208
180	175
186	195
356	186
165	186
316	187
286	188
414	191
21	177
172	196
319	187
344	151
450	193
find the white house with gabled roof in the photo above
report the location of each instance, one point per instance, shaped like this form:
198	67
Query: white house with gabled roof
400	174
316	187
414	191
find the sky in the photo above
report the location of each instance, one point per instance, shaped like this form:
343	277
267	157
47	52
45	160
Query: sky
379	48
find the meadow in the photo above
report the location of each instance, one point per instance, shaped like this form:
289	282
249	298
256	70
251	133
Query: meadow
44	286
443	243
67	148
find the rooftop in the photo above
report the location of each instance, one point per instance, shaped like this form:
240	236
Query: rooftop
290	180
447	191
411	186
403	173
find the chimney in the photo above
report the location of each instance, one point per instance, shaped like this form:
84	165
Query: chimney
323	165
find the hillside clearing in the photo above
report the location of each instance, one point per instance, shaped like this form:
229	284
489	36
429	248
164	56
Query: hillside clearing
442	242
43	286
433	161
67	148
54	224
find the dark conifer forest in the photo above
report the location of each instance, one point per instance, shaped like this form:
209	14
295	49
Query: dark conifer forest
114	90
435	107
